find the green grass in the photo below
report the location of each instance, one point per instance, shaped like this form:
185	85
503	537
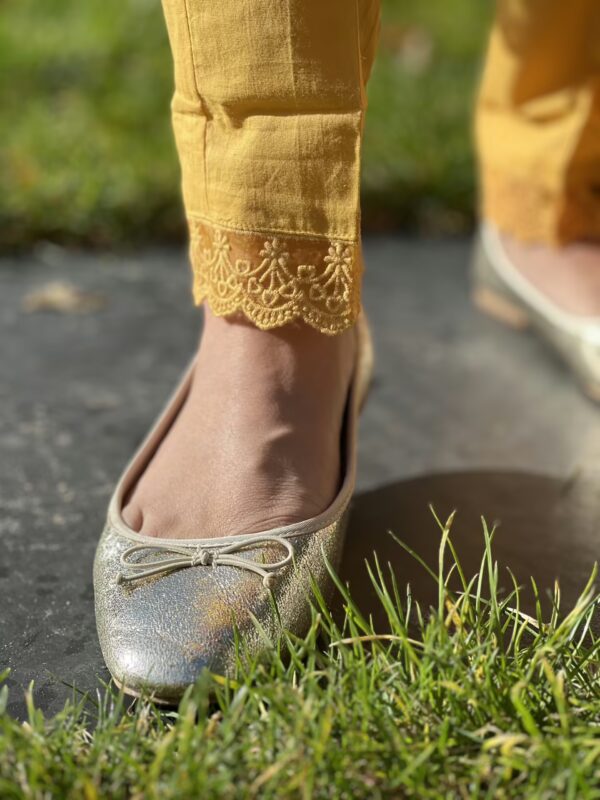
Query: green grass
469	699
418	169
87	154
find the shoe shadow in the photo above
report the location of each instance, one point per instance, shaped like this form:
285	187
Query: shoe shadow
548	529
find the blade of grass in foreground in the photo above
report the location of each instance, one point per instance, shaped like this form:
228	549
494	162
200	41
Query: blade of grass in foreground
473	698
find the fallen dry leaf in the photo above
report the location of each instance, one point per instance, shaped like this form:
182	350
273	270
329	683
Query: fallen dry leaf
64	298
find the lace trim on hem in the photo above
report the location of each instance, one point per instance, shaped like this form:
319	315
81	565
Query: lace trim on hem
275	280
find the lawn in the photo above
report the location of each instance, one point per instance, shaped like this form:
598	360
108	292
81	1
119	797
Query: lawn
469	699
87	154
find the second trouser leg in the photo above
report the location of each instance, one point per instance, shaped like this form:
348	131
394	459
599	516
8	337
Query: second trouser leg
538	121
268	114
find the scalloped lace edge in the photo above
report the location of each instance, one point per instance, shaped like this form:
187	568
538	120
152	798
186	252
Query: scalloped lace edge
276	279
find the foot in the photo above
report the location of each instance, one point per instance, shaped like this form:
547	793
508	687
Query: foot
257	442
569	276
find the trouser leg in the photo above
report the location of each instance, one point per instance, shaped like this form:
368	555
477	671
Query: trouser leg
538	121
268	115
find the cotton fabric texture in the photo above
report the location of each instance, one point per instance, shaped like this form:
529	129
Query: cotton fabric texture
268	116
538	121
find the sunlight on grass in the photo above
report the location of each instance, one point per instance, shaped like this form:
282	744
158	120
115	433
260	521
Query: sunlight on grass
472	698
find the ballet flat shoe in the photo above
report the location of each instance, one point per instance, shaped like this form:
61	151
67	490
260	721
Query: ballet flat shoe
166	609
501	291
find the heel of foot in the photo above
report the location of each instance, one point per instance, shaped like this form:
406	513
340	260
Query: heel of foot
592	390
499	308
366	360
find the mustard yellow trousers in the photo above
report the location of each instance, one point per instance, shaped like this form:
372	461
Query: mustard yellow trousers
268	114
538	120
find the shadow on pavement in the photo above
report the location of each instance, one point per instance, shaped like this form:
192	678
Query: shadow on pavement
547	529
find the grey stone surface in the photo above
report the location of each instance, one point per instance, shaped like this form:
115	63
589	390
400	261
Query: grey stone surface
462	413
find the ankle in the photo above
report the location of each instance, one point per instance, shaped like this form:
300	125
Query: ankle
569	275
292	346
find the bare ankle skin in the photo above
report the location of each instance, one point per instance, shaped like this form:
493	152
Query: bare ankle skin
569	275
257	443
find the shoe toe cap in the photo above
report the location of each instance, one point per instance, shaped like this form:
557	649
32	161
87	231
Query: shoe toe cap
158	634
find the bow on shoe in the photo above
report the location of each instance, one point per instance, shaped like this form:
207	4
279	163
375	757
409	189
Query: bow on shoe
183	556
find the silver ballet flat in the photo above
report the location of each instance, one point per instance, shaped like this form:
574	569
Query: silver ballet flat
501	291
168	608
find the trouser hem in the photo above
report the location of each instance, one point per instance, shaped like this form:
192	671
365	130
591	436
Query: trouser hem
275	279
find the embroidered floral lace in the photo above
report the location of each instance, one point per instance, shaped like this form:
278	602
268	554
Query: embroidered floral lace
274	279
